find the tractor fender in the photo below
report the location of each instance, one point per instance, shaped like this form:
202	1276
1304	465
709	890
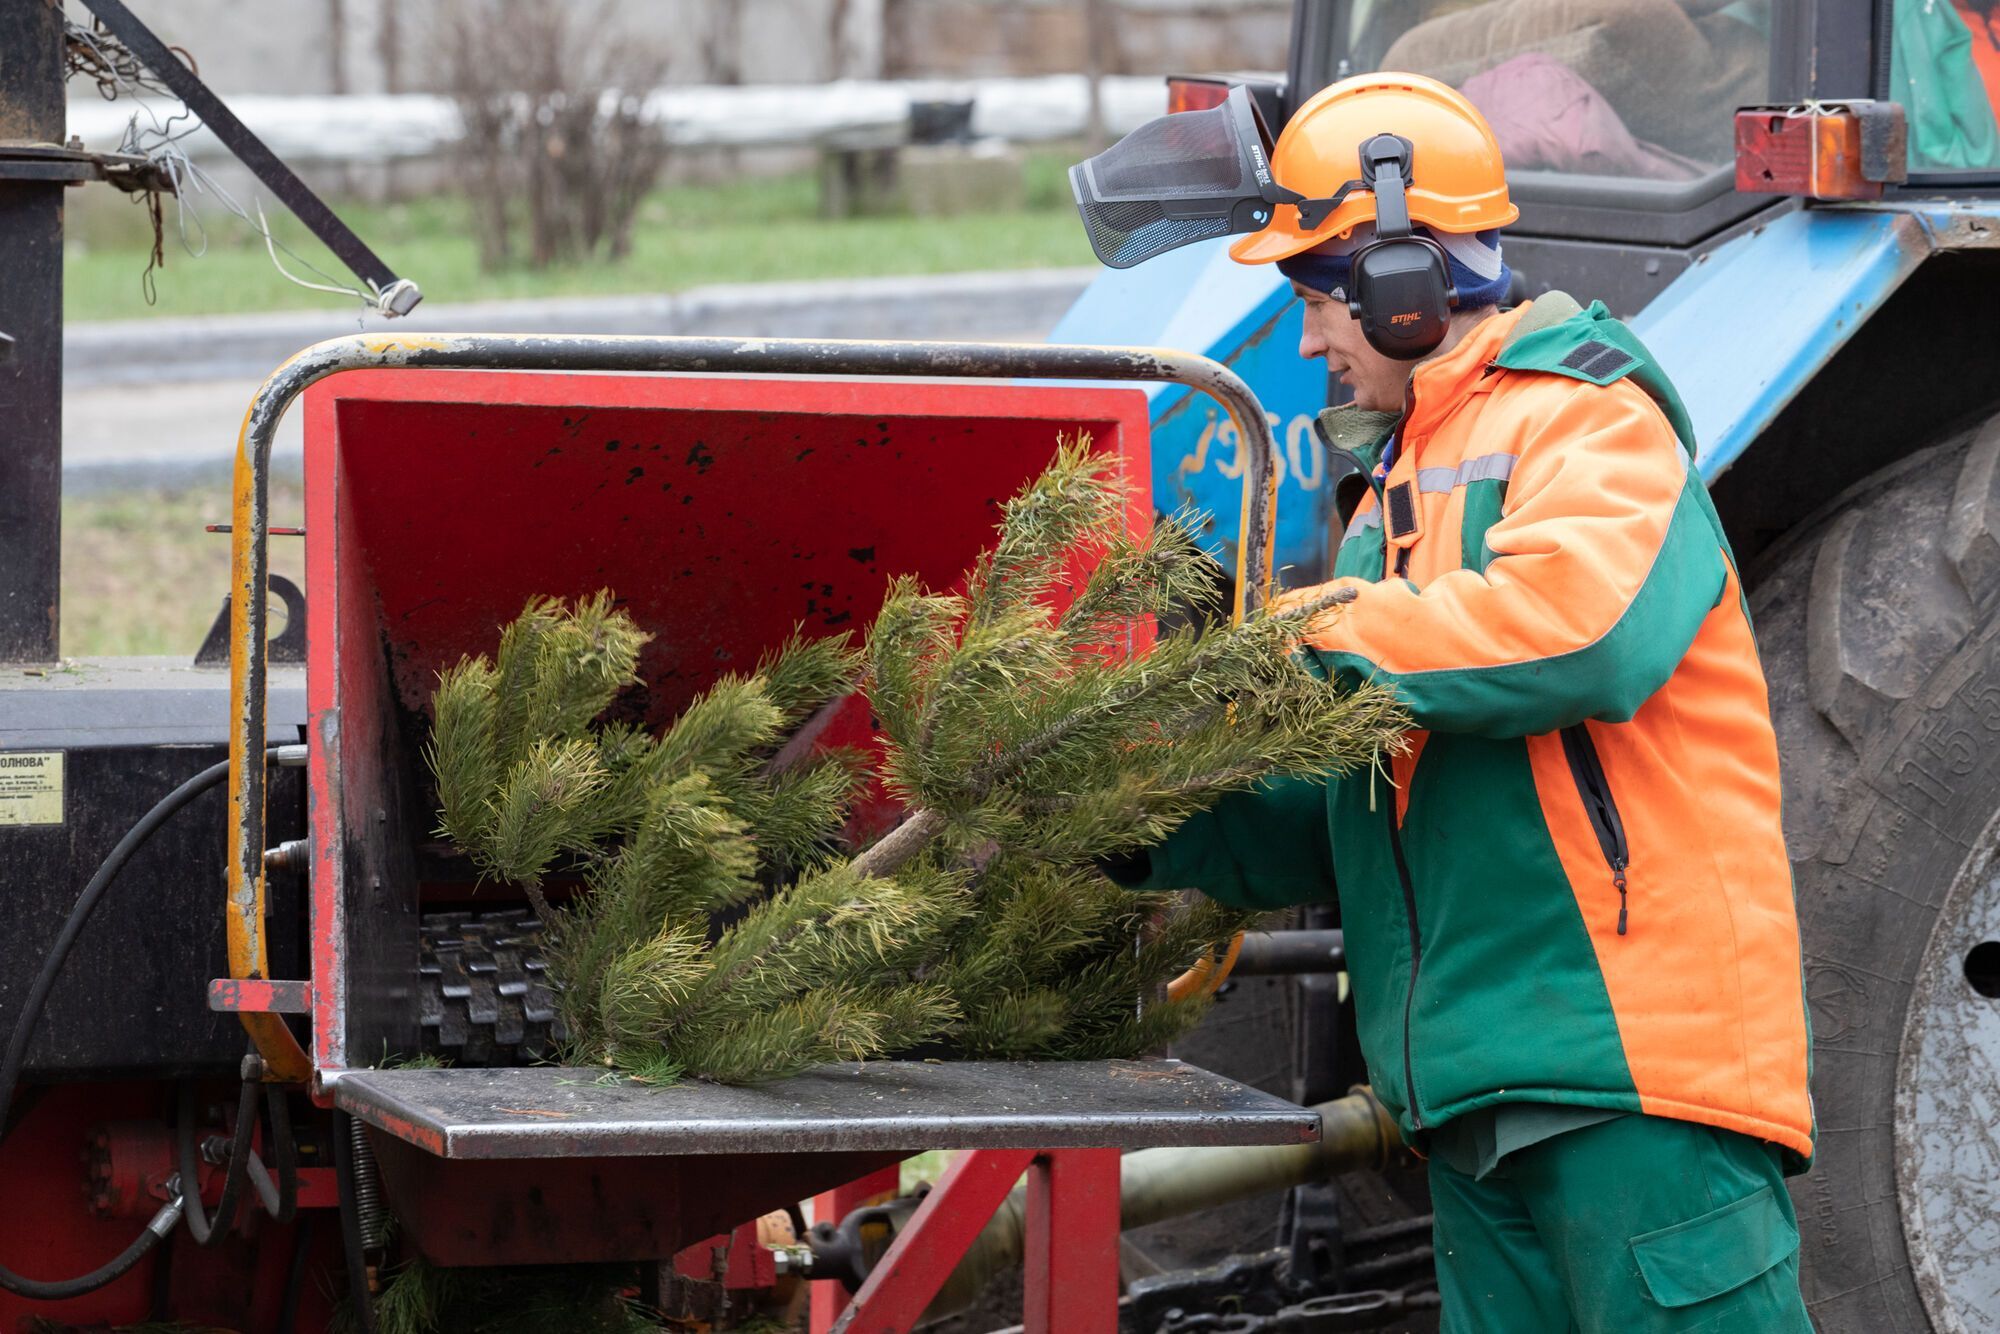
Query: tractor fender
1815	349
1748	326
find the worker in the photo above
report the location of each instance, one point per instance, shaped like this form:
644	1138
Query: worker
1568	909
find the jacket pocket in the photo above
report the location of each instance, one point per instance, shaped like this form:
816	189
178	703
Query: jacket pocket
1716	1253
1588	772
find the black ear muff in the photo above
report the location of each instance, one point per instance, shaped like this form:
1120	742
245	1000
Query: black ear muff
1401	290
1402	295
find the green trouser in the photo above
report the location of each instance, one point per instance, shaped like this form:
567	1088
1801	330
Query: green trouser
1629	1226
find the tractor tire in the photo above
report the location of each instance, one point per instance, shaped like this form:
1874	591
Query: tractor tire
1878	620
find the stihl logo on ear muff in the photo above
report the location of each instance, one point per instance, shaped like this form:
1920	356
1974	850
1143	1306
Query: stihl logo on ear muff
1402	292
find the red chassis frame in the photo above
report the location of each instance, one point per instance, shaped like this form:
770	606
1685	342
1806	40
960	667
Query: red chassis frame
1071	1247
1071	1252
1070	1288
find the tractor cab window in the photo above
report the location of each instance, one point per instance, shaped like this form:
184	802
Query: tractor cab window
1637	90
1944	67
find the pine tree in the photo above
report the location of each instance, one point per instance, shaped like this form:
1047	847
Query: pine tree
1027	727
666	833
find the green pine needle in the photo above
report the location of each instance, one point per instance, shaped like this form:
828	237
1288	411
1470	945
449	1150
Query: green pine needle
807	673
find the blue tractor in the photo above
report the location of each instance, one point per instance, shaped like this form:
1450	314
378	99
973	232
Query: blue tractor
1835	331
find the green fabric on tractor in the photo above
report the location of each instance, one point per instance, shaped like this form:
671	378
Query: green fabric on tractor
1635	1225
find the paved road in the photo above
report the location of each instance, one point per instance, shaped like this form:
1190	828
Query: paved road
160	400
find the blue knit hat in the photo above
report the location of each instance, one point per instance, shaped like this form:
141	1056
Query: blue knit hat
1477	271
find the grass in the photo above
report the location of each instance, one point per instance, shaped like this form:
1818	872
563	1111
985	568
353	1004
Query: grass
141	577
752	229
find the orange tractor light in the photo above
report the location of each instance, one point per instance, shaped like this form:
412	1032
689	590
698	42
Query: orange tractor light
1821	150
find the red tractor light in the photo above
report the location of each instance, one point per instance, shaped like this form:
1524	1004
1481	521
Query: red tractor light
1185	93
1821	150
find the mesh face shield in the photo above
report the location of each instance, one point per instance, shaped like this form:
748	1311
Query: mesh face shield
1182	178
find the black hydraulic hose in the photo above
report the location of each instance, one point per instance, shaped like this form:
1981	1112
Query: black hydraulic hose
352	1244
30	1016
110	1271
281	1201
287	1154
162	1304
269	1194
204	1231
295	1276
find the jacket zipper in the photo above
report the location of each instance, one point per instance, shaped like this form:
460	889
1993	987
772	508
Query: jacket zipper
1416	961
1595	789
1395	831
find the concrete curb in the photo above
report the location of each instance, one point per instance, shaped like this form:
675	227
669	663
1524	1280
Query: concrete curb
956	305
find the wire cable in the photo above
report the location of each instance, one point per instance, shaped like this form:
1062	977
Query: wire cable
101	56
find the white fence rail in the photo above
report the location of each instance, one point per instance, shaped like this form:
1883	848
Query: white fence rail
833	115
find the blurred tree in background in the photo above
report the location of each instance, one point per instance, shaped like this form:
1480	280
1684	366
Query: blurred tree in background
559	145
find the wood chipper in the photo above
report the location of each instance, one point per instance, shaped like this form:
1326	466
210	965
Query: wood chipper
441	494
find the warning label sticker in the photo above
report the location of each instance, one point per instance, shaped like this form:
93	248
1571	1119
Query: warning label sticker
31	787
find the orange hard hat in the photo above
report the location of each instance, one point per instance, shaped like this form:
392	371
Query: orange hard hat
1459	183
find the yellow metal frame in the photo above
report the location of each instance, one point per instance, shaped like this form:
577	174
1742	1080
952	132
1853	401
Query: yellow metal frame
285	1060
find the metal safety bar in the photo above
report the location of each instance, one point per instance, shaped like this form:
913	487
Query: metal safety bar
250	563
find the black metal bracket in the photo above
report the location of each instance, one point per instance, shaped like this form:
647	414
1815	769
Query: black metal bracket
288	647
398	296
848	1250
72	164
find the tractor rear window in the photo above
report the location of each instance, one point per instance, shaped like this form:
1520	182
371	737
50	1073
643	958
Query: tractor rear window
1944	67
1639	90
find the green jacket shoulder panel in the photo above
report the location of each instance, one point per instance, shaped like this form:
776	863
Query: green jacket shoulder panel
1588	345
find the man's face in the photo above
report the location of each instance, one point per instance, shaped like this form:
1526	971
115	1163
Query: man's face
1330	332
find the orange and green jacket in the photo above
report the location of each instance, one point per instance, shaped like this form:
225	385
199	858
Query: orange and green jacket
1573	887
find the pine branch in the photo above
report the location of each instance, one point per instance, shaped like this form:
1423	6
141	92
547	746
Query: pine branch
901	845
718	732
806	673
1164	571
462	752
1142	687
539	806
1076	501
